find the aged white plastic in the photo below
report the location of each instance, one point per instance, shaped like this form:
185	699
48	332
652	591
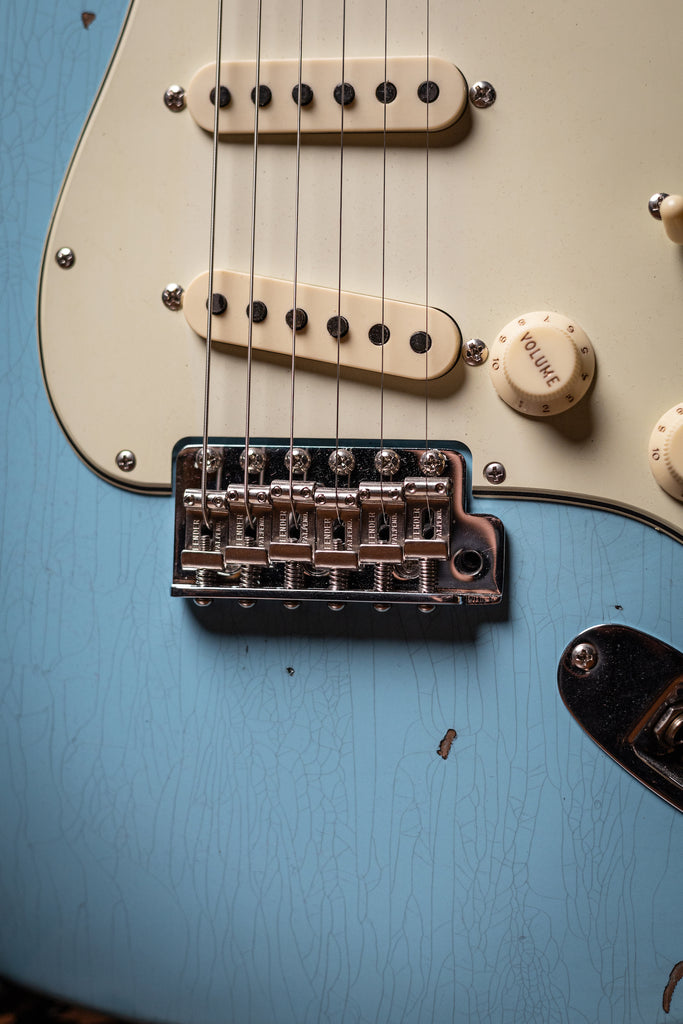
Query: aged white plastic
539	202
314	342
406	113
666	451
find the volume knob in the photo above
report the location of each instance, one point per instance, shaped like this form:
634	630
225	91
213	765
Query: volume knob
542	363
666	452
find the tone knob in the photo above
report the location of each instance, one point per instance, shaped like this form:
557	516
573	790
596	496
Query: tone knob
666	452
542	363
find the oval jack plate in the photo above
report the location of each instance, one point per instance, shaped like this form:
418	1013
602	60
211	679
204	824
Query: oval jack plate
625	689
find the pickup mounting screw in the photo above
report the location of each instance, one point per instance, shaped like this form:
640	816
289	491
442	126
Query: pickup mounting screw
584	657
482	95
126	460
172	296
174	98
65	257
475	352
495	472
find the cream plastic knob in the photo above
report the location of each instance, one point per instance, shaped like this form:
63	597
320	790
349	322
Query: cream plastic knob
666	452
671	212
542	363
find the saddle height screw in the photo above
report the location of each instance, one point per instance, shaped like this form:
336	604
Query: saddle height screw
174	98
126	460
65	257
584	657
482	95
495	472
172	296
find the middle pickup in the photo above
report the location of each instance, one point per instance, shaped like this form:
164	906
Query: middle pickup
418	343
418	95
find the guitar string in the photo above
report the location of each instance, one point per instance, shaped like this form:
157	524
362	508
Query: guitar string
252	250
426	254
297	181
384	249
339	254
212	242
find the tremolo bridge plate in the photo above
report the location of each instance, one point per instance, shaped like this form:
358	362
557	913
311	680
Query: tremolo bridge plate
398	537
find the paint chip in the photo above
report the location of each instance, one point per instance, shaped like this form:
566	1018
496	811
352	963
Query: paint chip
444	747
87	17
290	670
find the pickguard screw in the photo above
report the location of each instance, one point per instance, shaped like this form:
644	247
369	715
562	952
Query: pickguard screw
482	95
655	202
475	352
65	257
495	472
172	296
126	460
584	657
174	97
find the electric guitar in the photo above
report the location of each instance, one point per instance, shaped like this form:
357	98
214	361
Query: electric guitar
282	733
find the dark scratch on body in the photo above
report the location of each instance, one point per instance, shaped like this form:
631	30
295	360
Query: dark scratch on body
674	978
444	747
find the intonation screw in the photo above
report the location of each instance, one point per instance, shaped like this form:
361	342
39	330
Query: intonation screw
584	657
174	97
65	257
475	352
482	95
495	472
126	460
172	296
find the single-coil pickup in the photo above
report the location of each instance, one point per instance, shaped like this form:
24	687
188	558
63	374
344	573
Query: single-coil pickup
417	343
365	94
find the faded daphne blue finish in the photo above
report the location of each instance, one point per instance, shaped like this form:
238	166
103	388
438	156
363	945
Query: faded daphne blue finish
240	816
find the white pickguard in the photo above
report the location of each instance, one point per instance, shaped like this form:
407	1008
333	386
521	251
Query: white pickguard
539	202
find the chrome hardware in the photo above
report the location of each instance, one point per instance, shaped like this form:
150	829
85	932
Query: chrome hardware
584	657
126	461
495	472
324	538
174	98
475	352
65	257
482	95
172	296
214	459
625	689
655	203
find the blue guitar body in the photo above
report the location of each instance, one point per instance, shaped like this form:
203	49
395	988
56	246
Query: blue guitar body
229	815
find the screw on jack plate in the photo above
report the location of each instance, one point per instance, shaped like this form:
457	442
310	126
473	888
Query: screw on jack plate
495	472
482	95
65	257
584	657
126	460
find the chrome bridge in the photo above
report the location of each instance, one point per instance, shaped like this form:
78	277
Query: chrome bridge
383	526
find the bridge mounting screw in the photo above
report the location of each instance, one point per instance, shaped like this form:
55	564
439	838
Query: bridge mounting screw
65	257
172	296
482	95
174	98
300	460
495	472
584	657
432	462
475	352
126	460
